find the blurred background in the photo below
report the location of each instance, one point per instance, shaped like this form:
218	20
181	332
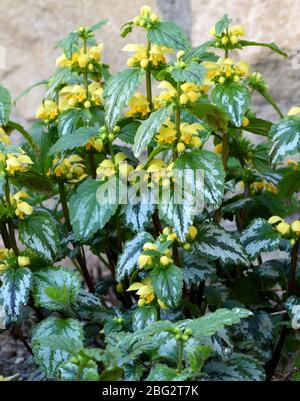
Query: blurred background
30	29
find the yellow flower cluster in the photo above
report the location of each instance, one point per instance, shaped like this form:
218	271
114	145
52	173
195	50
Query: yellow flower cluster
95	143
48	111
260	186
81	58
191	92
22	209
70	169
290	231
70	96
16	162
146	293
139	106
146	19
3	255
142	58
108	168
188	135
230	37
4	138
225	69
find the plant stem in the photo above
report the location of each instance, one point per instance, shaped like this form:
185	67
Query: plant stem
148	78
21	336
272	365
177	122
64	204
225	152
10	223
92	164
5	236
180	344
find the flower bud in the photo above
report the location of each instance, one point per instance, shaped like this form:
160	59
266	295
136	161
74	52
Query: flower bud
193	232
23	261
184	99
234	39
165	261
180	147
246	122
144	63
87	104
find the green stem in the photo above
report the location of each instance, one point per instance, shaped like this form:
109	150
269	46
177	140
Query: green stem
111	151
92	164
5	236
177	122
225	150
148	78
10	223
180	344
85	72
15	126
64	204
152	155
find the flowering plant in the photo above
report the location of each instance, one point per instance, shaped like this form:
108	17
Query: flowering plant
148	182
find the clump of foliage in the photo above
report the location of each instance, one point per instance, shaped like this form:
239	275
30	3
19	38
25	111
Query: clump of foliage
175	294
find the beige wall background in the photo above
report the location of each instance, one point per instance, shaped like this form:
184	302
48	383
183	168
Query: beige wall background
30	28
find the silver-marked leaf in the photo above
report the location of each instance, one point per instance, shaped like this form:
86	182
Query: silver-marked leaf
5	105
14	292
69	44
56	288
142	317
170	35
164	373
138	215
129	258
128	133
75	140
73	119
223	24
120	89
293	308
192	73
50	360
234	99
285	137
149	128
40	234
238	368
168	284
72	371
214	242
210	324
87	214
260	237
210	165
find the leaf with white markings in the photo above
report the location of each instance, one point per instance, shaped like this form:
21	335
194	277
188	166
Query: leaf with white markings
14	292
75	140
168	284
73	119
48	359
193	73
142	317
260	237
170	35
129	258
285	137
120	89
56	288
138	215
5	105
214	242
149	128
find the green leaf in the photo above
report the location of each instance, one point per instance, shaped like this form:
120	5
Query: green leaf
210	324
289	184
129	258
142	317
198	52
50	360
128	132
75	140
170	35
5	105
168	283
127	29
285	137
149	128
273	46
164	373
214	242
99	25
238	368
73	371
197	357
260	157
223	24
293	308
211	166
88	215
14	292
72	119
192	73
260	237
39	233
120	89
234	99
56	288
69	44
215	117
33	181
258	126
138	215
29	89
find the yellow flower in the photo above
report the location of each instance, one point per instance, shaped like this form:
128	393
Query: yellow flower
106	169
188	131
95	143
193	232
23	209
23	261
275	219
96	91
146	11
167	134
95	52
139	105
150	246
283	228
225	68
165	261
166	96
144	290
157	55
17	163
70	169
242	68
180	147
47	111
212	31
140	58
246	122
219	148
144	260
63	61
83	60
237	30
294	111
3	253
70	96
296	227
258	186
4	138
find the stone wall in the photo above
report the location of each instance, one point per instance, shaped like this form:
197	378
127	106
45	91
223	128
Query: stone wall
29	30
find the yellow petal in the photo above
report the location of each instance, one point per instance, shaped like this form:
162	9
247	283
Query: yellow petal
294	111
